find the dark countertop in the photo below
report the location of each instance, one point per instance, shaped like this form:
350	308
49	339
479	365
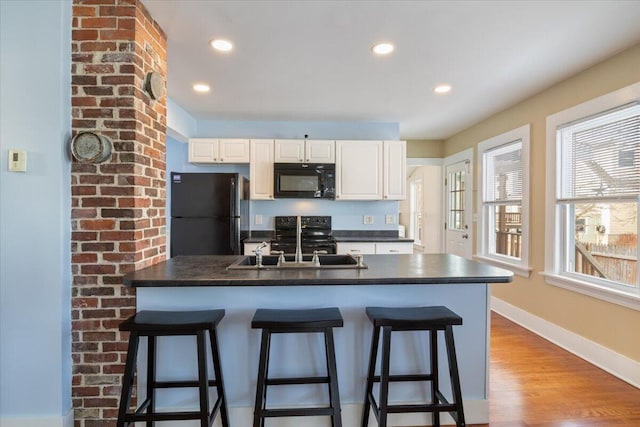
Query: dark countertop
389	236
211	270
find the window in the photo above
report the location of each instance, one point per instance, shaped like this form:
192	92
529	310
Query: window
504	200
594	154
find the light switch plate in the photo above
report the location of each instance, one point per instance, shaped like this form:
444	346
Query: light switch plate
258	220
367	219
390	219
17	161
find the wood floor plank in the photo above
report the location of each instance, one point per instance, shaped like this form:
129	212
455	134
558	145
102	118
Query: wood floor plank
534	383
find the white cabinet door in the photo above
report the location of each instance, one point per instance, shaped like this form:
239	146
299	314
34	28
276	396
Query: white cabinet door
250	249
261	169
289	151
233	150
213	150
309	151
395	170
364	248
203	150
320	151
359	170
394	248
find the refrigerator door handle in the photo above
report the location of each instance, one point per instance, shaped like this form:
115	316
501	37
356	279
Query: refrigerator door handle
234	235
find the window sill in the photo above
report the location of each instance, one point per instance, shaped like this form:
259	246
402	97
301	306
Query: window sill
606	294
517	269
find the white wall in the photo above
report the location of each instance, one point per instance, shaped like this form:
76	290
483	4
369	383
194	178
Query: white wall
35	279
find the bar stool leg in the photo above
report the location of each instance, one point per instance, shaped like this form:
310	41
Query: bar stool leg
384	375
334	394
373	355
217	370
127	380
151	376
261	387
455	376
203	381
435	381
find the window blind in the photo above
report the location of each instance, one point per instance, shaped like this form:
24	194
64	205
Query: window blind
504	173
600	157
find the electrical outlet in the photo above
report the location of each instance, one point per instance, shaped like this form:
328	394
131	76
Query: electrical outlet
258	220
390	219
367	219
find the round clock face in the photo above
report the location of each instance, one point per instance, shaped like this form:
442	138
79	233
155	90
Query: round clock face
154	85
89	147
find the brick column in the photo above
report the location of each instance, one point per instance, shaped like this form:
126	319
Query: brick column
118	207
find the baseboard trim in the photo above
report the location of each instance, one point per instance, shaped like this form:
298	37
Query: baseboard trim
62	421
616	364
475	412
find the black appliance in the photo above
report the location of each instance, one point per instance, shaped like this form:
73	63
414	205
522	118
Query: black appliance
209	213
304	180
316	235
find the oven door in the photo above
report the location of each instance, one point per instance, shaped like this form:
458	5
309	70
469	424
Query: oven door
304	181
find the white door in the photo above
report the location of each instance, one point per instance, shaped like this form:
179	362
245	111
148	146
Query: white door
458	192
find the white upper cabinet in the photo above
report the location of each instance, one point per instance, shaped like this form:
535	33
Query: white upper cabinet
359	167
395	170
301	151
261	169
320	151
214	150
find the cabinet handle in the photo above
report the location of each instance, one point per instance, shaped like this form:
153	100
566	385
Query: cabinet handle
393	250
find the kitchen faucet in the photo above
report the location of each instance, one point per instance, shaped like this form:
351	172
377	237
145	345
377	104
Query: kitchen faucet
298	239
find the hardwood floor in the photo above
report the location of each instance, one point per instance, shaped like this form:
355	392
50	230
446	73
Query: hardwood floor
534	383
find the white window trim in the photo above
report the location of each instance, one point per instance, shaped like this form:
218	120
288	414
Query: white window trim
520	267
553	262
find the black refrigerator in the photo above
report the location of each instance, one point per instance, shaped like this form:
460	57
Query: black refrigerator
209	213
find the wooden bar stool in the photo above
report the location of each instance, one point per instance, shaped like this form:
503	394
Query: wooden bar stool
432	319
291	322
153	324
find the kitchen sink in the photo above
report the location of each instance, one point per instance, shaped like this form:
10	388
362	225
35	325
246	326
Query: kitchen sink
270	262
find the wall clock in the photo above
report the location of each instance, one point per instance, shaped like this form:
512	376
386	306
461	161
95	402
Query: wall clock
89	147
154	84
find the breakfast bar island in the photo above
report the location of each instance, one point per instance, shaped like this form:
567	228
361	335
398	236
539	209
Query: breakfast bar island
206	282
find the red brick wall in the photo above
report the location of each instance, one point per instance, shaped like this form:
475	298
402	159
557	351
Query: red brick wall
118	207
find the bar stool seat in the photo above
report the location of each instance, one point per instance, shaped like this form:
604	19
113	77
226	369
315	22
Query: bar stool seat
153	324
431	319
273	321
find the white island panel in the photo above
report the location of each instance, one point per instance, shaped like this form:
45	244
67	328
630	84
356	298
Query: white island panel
303	354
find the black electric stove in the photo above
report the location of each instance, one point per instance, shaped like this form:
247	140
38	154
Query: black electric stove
316	235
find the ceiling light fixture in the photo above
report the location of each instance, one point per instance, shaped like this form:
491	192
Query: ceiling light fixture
201	87
382	48
221	45
442	89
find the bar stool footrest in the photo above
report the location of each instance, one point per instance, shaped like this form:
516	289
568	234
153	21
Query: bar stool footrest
408	377
180	384
297	380
163	416
297	412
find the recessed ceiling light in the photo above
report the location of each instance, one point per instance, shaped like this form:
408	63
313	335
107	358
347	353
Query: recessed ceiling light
442	89
382	48
221	45
201	87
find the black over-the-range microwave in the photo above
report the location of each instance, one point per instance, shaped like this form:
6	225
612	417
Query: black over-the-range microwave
304	181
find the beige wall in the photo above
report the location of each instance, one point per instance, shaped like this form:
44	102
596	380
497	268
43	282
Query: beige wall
425	148
610	325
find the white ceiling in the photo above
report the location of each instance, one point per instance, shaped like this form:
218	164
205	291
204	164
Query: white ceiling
311	60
